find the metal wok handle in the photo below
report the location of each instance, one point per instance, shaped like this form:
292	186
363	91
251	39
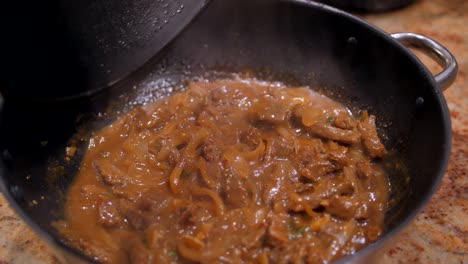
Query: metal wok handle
437	52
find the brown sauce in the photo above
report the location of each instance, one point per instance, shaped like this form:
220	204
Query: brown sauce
230	171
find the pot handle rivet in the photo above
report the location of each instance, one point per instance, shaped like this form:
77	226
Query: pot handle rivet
437	52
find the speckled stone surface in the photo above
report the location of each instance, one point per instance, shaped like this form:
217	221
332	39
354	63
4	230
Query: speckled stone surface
440	233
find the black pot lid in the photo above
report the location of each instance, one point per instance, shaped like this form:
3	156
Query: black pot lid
61	48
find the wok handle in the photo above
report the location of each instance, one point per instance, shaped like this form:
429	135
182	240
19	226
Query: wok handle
437	52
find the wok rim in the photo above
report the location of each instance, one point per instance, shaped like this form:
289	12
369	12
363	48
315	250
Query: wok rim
57	242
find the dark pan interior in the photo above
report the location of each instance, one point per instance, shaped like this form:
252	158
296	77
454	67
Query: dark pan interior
297	43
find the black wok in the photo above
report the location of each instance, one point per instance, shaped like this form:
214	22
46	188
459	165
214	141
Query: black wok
298	42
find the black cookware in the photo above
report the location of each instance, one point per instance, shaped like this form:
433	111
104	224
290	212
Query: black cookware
298	42
63	49
369	5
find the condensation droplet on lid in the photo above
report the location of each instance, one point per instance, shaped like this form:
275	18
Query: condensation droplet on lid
419	102
16	192
352	41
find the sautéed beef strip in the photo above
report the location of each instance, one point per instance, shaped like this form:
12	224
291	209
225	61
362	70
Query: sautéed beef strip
230	171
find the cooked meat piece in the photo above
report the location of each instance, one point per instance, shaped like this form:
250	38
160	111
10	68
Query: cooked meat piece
155	145
307	154
153	236
108	172
159	117
370	138
293	253
89	191
343	207
99	253
345	188
254	238
278	229
234	192
283	176
337	153
219	95
281	148
312	150
164	149
252	138
315	170
334	133
210	151
109	214
135	121
194	215
138	253
323	192
305	201
344	231
362	212
153	200
364	170
136	218
276	111
344	121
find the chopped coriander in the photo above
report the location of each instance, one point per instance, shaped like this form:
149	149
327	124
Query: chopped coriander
330	120
44	143
186	174
296	232
172	253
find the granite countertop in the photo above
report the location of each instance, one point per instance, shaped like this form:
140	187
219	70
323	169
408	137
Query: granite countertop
440	233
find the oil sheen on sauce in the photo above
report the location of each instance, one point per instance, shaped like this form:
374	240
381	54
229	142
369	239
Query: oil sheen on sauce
230	171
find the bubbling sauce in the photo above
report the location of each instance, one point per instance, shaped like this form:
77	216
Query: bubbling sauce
230	171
